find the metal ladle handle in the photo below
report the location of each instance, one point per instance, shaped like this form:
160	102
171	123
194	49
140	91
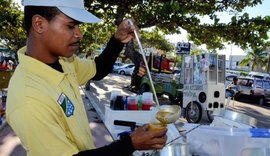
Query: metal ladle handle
145	62
183	134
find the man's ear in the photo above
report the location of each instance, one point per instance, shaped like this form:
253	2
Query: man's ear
39	23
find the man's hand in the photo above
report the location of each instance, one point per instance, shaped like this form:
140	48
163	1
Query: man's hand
143	139
125	31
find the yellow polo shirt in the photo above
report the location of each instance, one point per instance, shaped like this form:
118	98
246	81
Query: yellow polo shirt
45	108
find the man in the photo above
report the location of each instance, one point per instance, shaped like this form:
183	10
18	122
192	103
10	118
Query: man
233	88
44	105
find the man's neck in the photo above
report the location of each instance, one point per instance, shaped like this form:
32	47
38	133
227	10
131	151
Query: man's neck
35	49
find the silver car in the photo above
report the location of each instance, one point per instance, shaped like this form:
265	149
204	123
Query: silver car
125	69
254	89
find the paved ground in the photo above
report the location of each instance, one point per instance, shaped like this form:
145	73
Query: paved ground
261	113
99	95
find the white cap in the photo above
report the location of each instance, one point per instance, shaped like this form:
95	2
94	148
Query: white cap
72	8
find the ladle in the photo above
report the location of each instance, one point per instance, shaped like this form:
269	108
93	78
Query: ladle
145	62
168	114
175	110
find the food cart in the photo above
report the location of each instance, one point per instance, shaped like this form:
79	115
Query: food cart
203	86
161	70
198	88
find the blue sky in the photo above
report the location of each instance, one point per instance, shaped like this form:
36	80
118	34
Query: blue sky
259	10
262	9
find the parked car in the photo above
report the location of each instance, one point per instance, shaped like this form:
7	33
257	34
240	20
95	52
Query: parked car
234	72
254	89
259	75
126	69
117	65
229	79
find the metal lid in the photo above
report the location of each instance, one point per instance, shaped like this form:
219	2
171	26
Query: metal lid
236	116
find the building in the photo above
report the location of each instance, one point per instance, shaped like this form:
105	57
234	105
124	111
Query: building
234	63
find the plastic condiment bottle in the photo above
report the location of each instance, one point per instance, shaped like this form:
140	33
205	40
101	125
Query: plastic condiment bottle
132	103
147	100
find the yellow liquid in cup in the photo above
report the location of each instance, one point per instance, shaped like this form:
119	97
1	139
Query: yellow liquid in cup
161	116
156	126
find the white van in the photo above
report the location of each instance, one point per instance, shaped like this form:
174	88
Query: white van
259	75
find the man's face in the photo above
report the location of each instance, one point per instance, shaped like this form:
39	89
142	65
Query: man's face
62	36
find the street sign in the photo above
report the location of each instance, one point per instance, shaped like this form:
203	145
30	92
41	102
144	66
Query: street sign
183	48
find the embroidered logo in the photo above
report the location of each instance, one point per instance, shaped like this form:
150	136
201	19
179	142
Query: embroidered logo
66	104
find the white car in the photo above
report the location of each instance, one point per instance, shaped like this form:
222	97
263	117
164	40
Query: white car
264	76
126	69
116	66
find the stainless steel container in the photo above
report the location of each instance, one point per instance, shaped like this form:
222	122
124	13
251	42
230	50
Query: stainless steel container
236	117
174	149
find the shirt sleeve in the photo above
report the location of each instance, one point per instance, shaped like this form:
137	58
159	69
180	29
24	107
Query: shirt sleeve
101	66
121	147
85	69
104	62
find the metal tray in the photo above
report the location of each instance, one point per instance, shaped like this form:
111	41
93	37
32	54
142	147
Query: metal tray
235	116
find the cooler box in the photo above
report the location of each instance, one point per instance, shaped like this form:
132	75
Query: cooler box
220	141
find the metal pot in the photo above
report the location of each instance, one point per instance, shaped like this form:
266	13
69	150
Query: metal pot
236	117
175	149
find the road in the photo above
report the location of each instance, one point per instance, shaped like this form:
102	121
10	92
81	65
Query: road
99	95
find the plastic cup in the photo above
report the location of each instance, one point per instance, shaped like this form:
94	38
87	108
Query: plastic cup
119	103
114	94
147	100
132	103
